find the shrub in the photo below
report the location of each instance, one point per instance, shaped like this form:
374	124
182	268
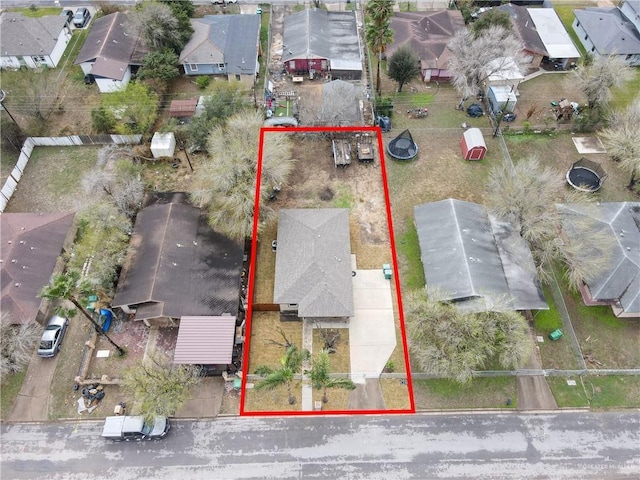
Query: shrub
203	82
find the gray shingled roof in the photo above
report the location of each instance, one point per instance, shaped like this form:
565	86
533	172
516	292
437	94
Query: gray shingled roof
621	279
31	245
229	39
23	36
315	33
475	260
609	31
112	45
178	265
313	262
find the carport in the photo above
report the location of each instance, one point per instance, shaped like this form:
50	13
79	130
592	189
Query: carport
206	340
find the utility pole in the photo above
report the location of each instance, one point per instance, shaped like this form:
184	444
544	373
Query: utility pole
3	95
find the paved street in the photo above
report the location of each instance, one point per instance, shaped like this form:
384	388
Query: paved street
481	446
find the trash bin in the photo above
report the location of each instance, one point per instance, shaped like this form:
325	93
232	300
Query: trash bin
555	335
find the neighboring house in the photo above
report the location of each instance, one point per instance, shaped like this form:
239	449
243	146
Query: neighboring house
31	247
618	284
313	276
560	48
32	42
427	34
319	44
180	271
227	45
611	31
533	49
111	52
476	261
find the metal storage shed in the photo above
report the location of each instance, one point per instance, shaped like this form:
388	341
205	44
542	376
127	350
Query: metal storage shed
472	145
502	98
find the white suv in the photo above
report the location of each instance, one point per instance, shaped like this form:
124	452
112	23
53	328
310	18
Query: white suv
222	2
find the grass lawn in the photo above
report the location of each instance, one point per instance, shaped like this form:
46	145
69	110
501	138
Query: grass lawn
611	391
410	257
624	95
395	393
35	11
565	12
340	361
9	389
485	392
568	396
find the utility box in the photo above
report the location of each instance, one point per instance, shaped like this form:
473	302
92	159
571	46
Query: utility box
555	335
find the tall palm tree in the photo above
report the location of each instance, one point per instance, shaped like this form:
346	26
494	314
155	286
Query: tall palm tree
67	286
378	33
321	378
290	365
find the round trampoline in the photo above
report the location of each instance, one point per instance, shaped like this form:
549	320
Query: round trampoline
403	147
586	176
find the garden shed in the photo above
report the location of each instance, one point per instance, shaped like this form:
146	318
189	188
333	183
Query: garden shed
472	144
502	98
163	144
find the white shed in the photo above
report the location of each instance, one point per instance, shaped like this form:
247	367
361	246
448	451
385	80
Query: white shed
163	144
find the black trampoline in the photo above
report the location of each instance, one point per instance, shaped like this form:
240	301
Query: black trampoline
586	175
403	147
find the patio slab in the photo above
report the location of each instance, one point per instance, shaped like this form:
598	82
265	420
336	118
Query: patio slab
589	145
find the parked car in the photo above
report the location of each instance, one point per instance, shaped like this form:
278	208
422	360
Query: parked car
68	14
81	17
222	2
52	336
128	428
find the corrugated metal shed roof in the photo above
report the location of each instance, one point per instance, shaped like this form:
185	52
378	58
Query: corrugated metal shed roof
620	221
183	108
313	262
466	259
555	38
205	340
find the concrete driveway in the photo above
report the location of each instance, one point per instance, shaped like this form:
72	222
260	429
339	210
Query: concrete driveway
32	402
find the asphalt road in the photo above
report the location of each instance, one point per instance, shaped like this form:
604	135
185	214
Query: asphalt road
480	446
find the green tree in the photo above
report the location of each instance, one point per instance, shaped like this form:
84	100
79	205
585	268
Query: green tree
161	66
597	79
447	342
103	120
621	137
135	108
404	66
158	386
378	33
491	18
226	181
321	378
290	366
69	286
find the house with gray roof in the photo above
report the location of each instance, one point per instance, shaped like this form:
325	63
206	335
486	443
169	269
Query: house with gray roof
476	261
533	50
313	263
32	42
611	31
227	45
112	53
618	284
32	245
321	43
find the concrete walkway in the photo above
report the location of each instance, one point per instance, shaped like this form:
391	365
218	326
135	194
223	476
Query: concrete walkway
533	390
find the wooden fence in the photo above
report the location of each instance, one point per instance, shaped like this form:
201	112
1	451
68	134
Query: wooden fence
30	143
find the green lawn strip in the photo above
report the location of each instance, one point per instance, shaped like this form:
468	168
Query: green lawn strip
74	72
409	250
485	392
68	165
624	95
565	12
35	11
613	391
566	395
9	388
265	18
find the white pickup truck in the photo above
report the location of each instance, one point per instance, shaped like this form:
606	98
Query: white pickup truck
128	428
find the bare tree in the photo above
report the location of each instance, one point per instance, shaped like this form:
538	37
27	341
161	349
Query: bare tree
598	78
18	343
476	57
526	195
38	95
226	182
156	25
450	343
621	138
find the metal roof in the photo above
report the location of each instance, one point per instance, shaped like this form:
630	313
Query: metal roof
31	245
205	340
20	35
620	221
525	28
609	31
555	38
469	256
313	262
315	33
177	265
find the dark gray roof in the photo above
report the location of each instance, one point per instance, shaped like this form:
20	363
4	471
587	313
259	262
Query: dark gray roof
313	262
341	104
112	45
178	265
31	245
621	279
235	37
525	28
609	31
315	33
20	35
475	260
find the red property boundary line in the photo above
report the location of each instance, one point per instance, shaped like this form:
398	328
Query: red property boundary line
256	211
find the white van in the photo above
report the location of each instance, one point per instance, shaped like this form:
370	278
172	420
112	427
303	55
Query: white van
134	428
